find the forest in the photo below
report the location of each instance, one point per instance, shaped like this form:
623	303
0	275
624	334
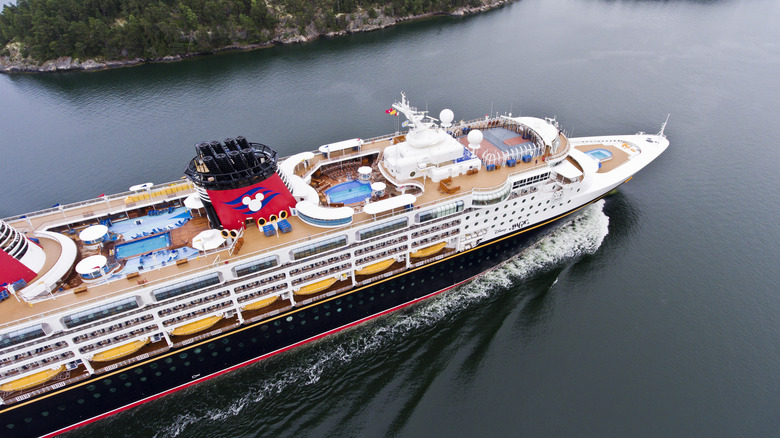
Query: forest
151	29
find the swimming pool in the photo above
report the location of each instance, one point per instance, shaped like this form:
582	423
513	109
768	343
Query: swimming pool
143	246
350	192
600	154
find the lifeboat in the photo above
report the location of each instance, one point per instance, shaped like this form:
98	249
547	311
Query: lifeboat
260	304
316	287
429	250
120	351
31	380
375	267
196	326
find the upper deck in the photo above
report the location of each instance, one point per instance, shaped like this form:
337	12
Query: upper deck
322	171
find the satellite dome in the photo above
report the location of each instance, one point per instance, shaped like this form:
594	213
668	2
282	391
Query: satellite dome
475	138
446	116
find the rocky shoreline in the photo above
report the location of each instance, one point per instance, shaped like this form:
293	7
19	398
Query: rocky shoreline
361	23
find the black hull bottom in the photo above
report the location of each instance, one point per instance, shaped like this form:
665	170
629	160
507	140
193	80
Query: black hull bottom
112	392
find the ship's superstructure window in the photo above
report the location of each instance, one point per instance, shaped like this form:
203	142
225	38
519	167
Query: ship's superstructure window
531	180
256	266
319	248
22	335
444	210
491	198
100	312
387	227
185	286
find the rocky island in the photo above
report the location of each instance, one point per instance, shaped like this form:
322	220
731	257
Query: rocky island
43	36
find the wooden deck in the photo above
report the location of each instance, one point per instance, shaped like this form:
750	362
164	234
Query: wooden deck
618	156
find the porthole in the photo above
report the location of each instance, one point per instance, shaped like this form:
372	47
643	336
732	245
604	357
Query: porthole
123	376
80	401
128	384
61	407
96	395
172	369
168	360
159	373
107	382
197	350
45	413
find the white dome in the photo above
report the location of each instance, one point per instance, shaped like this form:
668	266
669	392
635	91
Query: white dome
475	138
446	116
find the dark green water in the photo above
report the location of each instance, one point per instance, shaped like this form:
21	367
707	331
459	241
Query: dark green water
663	322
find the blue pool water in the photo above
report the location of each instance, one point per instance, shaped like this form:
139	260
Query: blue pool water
349	192
143	246
600	154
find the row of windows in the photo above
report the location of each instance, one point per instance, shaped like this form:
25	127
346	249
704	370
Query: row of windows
118	338
320	273
265	291
256	266
38	350
21	335
177	289
436	228
397	224
491	198
195	313
380	245
265	280
100	312
37	364
192	303
319	263
441	211
318	248
530	180
109	329
434	238
381	255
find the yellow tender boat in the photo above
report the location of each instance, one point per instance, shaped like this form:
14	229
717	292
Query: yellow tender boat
316	287
31	380
260	304
375	267
429	250
196	326
120	351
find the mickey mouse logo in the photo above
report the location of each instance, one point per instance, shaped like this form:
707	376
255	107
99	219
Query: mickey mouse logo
253	204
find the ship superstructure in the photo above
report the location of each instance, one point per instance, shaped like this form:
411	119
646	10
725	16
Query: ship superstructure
131	296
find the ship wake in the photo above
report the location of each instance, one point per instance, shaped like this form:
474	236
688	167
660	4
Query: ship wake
271	394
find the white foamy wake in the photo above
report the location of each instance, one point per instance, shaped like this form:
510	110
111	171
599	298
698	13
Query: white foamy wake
581	236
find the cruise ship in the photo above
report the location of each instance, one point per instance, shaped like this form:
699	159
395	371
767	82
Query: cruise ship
116	301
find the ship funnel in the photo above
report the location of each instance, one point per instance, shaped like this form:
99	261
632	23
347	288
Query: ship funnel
238	182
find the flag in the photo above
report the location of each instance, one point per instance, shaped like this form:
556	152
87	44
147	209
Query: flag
391	111
387	111
405	124
101	195
56	205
